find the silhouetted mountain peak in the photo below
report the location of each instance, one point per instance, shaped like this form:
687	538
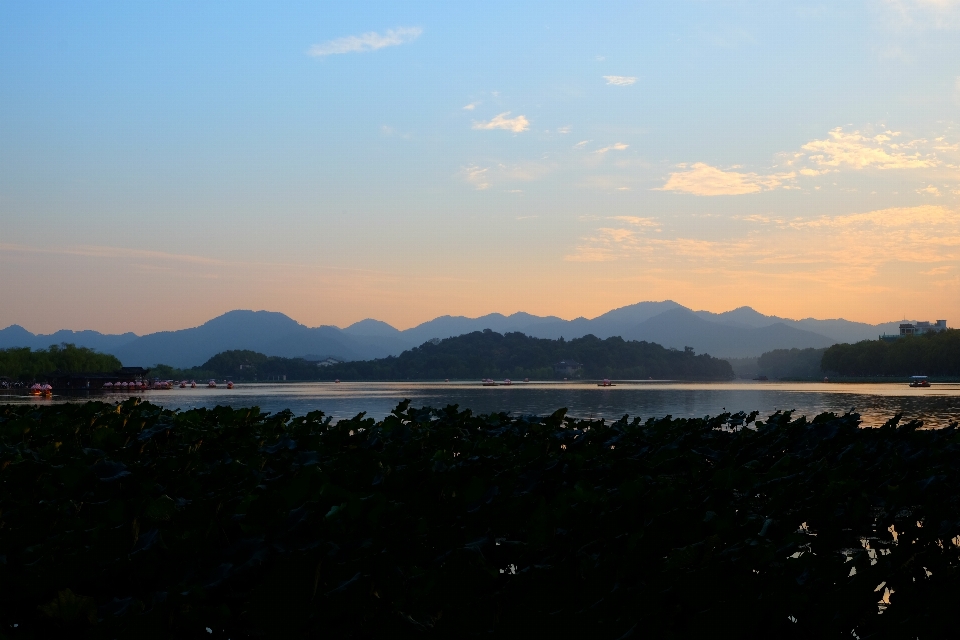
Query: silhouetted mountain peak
15	330
245	319
739	332
371	327
637	312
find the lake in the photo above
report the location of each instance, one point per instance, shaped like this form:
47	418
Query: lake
938	405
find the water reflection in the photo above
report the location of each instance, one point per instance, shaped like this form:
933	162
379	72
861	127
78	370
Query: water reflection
937	406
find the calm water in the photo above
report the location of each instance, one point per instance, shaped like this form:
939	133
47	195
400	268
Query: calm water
937	406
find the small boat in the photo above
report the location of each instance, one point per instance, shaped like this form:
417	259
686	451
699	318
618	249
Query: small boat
337	381
229	384
108	386
526	379
193	384
507	382
212	384
46	390
487	382
919	381
606	383
183	385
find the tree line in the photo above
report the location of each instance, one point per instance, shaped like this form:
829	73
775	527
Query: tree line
487	354
242	364
930	354
481	354
22	363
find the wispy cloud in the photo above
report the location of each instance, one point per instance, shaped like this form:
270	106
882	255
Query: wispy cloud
501	121
370	41
471	106
566	129
505	175
96	251
389	131
844	252
616	146
921	14
638	221
859	151
812	173
701	179
581	144
929	190
620	81
476	176
840	151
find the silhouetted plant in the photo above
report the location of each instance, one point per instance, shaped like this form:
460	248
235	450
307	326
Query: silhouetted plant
134	521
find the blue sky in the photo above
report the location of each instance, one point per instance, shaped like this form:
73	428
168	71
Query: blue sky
166	162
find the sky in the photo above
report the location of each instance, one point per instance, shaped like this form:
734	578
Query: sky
162	163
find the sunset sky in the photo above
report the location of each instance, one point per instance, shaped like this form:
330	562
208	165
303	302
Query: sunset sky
164	162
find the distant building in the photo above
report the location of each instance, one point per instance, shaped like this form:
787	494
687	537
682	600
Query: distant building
918	329
567	368
329	362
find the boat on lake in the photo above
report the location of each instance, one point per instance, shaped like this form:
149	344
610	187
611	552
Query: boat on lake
212	384
919	381
606	383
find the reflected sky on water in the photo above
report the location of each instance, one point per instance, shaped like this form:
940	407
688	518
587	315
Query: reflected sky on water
937	406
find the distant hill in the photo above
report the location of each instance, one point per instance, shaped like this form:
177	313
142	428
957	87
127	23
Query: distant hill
931	354
17	336
266	332
738	333
681	328
488	354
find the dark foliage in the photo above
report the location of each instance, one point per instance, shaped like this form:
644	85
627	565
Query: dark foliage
24	364
791	363
931	354
487	354
133	521
243	364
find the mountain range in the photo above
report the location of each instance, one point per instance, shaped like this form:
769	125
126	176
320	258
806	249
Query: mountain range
739	333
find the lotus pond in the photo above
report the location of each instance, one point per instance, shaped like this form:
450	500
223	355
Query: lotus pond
131	520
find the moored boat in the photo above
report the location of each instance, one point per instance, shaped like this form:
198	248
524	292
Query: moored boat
919	381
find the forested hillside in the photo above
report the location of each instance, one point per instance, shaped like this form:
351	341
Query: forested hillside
487	354
243	364
932	354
